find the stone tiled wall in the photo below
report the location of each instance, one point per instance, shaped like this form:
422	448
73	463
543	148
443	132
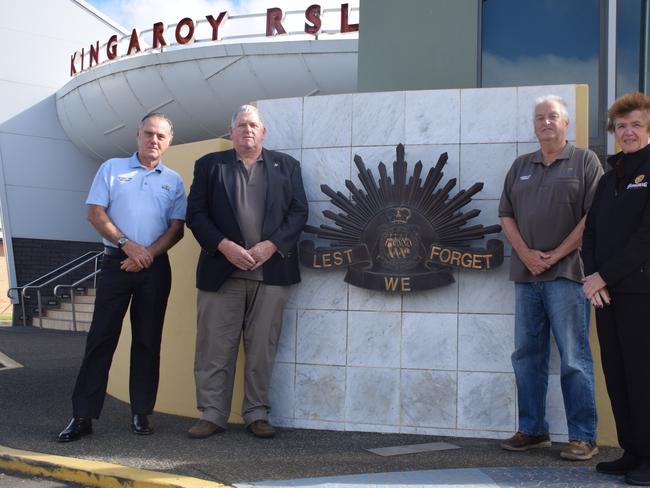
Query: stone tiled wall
434	362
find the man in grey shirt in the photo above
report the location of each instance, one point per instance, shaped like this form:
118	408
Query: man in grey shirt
246	208
545	198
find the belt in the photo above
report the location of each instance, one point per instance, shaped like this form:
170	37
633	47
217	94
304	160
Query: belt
114	252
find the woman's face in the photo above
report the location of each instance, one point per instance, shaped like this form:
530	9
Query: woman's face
632	131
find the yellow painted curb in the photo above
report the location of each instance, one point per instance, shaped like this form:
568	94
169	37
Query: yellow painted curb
94	473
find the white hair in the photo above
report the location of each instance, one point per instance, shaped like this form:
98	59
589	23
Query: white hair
564	111
244	109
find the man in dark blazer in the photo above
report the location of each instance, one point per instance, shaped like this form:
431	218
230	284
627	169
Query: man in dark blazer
246	208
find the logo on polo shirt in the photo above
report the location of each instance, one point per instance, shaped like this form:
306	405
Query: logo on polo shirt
525	177
166	187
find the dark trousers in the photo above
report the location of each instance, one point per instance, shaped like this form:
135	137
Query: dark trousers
624	336
147	291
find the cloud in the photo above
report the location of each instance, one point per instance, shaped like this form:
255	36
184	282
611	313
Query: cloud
141	14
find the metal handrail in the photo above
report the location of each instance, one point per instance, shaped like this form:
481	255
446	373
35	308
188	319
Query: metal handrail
90	255
72	293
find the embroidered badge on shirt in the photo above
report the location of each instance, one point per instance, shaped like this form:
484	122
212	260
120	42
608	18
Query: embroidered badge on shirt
525	177
166	187
568	172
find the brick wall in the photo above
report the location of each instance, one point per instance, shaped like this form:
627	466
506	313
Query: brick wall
36	257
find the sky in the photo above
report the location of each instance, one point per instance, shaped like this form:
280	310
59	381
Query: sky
141	14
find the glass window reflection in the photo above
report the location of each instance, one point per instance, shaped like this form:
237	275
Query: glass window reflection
541	43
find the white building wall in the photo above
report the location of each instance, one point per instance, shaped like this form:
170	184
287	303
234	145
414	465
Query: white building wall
433	362
44	178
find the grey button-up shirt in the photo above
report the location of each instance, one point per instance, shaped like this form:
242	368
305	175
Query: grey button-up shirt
547	202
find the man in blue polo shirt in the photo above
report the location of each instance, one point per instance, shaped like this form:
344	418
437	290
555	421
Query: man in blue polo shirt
138	206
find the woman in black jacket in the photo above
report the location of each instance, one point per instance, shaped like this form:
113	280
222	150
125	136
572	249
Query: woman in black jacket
616	255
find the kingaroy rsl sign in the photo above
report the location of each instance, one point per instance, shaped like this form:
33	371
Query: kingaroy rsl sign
401	236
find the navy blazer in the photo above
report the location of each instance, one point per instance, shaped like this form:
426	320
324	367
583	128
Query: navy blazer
211	218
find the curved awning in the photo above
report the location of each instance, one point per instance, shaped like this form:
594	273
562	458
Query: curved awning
198	88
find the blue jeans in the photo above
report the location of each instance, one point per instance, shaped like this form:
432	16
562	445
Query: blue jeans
560	306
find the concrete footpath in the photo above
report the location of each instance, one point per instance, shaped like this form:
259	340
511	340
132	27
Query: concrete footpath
35	406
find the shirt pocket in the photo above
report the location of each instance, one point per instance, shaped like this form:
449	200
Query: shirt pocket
565	190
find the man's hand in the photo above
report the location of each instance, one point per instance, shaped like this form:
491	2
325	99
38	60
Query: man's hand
552	257
237	255
592	284
138	253
130	266
536	261
261	252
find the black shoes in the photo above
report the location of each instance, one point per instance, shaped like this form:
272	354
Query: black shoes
639	476
620	466
140	424
76	429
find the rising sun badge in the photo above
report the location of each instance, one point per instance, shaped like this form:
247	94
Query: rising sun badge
398	235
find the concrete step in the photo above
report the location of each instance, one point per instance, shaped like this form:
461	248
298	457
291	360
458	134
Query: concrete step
79	307
83	299
50	323
67	315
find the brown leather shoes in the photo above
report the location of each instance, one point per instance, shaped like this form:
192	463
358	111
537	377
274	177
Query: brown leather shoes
261	428
523	442
203	429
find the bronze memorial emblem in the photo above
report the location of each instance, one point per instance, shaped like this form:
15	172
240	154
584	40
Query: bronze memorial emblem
398	236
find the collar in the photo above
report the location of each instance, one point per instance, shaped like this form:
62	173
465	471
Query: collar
630	162
564	154
260	158
134	162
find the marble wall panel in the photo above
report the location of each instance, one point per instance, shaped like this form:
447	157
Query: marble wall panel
319	290
429	341
321	337
432	117
488	115
329	166
373	339
372	300
282	390
283	121
428	398
372	396
442	299
287	343
487	291
378	119
485	342
486	163
327	121
321	390
486	401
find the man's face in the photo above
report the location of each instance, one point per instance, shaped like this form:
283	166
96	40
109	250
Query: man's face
550	124
153	139
632	131
248	133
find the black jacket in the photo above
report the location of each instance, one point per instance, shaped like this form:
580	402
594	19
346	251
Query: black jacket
211	218
616	241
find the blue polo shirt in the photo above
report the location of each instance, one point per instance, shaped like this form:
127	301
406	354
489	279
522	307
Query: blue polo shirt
140	201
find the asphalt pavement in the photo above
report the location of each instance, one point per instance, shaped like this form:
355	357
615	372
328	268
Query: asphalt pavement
35	406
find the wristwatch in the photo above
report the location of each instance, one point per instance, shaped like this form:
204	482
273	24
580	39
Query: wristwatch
122	240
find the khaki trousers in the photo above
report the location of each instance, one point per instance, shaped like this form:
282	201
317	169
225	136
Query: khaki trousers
239	306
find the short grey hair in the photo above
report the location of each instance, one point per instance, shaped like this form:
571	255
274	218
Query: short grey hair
244	109
564	109
157	115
